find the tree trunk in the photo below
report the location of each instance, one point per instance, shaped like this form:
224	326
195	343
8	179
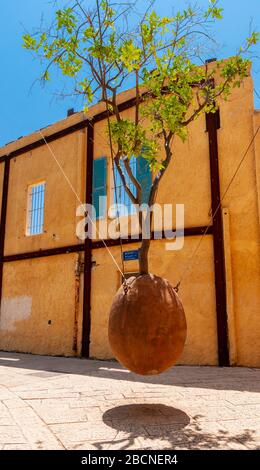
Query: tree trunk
143	256
145	245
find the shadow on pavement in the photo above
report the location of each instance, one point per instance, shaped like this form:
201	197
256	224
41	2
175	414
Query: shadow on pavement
140	415
153	423
208	377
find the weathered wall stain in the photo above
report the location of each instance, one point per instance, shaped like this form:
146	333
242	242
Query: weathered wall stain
14	310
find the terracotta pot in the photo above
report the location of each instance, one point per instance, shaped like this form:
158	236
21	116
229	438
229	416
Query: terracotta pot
147	326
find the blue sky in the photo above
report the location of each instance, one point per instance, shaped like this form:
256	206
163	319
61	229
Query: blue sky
27	106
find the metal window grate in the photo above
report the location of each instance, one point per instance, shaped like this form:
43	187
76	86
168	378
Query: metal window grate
36	193
120	194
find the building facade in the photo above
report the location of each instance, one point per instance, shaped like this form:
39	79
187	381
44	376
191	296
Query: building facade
56	289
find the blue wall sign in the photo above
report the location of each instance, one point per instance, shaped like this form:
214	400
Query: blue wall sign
130	255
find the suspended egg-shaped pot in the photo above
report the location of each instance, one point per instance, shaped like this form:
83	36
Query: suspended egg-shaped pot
147	325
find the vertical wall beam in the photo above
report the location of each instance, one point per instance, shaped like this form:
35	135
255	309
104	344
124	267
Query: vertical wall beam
212	124
3	220
86	323
232	339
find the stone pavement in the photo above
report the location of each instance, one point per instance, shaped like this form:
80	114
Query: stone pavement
67	403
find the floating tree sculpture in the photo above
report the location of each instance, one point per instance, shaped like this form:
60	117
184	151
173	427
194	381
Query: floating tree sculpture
105	49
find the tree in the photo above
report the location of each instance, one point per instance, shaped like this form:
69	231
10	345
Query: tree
111	46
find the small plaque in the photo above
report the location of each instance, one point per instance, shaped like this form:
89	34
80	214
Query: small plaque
130	255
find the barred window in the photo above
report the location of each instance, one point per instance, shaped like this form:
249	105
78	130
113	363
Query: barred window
35	214
120	194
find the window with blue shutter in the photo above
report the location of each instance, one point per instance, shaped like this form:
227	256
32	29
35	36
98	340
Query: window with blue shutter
141	171
144	176
99	186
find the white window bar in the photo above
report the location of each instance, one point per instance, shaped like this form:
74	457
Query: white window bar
35	215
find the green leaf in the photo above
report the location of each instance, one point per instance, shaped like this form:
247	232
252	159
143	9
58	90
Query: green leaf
253	39
46	75
29	42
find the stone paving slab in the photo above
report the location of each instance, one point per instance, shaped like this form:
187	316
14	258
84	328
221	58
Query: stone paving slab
70	403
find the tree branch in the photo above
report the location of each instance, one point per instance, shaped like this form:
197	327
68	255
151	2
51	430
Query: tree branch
122	176
134	180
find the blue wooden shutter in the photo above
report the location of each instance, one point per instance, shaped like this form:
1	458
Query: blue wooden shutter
144	176
99	185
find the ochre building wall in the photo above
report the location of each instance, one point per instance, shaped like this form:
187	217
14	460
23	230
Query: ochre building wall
234	137
42	299
200	315
38	305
